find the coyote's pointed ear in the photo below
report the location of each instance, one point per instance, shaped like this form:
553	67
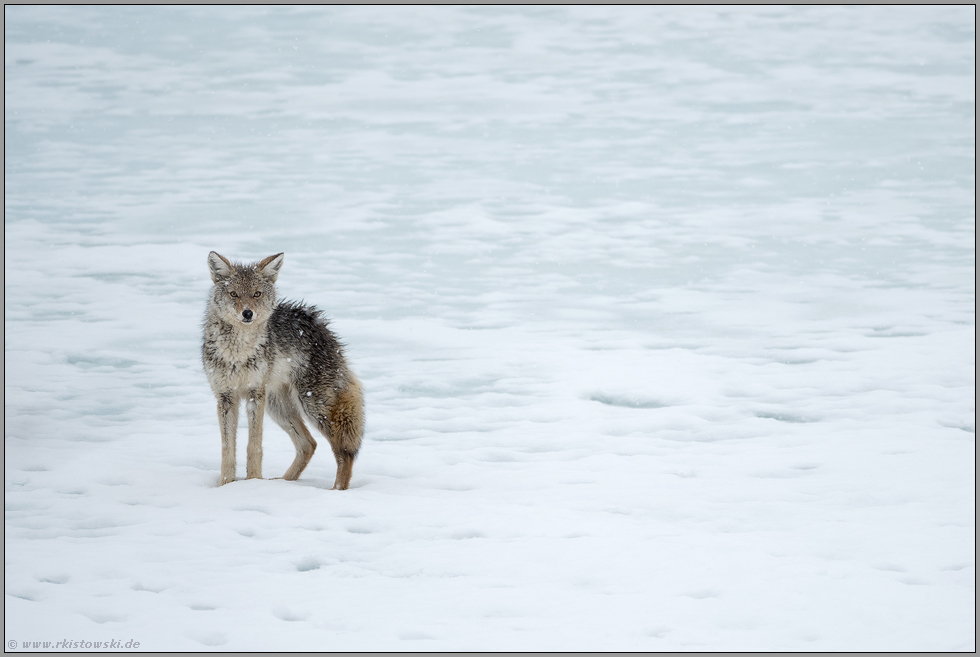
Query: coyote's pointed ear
269	267
219	266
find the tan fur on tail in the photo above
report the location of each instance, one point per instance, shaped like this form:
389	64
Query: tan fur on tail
346	429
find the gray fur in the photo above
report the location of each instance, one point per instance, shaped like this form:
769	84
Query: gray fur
281	358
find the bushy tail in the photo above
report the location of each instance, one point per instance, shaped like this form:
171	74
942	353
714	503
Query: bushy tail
346	430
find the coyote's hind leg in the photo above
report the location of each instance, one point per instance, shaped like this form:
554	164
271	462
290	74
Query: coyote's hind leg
283	410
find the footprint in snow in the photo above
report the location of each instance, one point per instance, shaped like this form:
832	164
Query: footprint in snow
308	564
282	613
702	594
626	402
956	567
209	638
102	617
149	588
787	417
890	566
25	594
467	533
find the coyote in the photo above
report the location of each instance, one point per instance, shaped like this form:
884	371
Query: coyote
278	356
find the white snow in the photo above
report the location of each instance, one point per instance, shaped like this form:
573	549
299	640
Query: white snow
665	317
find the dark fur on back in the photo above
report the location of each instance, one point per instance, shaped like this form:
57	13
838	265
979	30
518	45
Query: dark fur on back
307	326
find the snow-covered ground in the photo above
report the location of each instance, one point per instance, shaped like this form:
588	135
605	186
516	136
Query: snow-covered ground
665	316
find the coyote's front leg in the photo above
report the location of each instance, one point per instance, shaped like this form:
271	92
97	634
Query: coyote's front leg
228	421
255	408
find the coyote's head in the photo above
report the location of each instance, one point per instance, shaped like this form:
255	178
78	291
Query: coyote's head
244	293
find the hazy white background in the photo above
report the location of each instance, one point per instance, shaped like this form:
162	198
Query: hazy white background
665	316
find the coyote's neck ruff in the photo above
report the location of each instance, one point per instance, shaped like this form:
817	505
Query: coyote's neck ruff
279	357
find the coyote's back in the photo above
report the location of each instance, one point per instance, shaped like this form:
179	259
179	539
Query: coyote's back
280	357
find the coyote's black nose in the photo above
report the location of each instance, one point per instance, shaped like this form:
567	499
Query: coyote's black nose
247	314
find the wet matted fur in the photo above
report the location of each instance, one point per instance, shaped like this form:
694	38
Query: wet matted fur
280	357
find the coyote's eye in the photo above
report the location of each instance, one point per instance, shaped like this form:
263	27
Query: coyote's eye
257	294
234	294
